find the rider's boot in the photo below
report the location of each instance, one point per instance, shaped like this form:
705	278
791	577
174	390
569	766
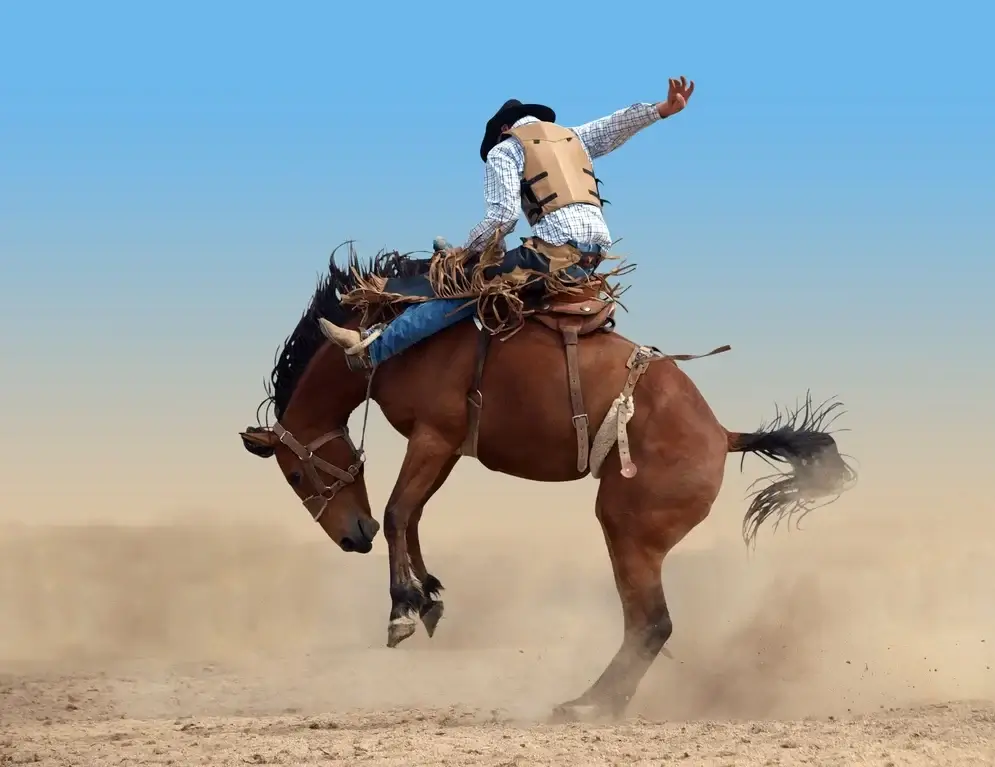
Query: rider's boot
354	342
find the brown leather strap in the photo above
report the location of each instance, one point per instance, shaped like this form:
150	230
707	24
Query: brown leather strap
580	419
313	462
317	502
475	400
687	357
637	364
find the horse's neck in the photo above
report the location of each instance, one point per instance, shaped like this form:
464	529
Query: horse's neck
328	388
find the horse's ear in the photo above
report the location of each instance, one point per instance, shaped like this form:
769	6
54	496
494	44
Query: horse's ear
259	440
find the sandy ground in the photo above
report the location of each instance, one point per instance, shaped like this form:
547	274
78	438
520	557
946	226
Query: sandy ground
230	644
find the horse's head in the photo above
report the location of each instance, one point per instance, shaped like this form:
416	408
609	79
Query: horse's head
324	467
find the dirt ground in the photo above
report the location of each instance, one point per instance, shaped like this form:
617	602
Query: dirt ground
234	644
95	733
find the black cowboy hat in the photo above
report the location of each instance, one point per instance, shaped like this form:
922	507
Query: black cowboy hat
512	111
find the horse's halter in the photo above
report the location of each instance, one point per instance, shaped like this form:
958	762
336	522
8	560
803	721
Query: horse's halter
317	502
323	494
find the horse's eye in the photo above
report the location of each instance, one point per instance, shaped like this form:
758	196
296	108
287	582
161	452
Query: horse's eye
294	478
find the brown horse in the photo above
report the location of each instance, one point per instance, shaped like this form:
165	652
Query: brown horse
527	427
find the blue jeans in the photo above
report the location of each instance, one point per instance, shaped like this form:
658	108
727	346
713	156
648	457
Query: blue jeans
419	321
416	323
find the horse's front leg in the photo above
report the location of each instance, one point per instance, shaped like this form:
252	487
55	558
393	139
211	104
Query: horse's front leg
427	457
432	607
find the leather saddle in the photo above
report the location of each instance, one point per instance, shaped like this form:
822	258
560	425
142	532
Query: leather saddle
582	313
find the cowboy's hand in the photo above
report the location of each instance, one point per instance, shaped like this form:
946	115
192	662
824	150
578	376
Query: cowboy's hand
677	97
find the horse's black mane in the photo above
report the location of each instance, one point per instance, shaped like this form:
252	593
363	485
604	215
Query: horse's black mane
305	340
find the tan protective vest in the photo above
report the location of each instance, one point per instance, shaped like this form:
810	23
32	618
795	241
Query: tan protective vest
557	170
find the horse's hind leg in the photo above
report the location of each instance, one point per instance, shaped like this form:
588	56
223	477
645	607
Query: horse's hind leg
432	608
642	519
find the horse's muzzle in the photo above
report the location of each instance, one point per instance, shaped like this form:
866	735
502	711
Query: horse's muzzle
360	536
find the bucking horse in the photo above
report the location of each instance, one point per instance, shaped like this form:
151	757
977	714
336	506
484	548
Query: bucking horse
526	405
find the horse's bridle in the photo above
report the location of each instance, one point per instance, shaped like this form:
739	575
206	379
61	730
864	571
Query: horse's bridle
317	502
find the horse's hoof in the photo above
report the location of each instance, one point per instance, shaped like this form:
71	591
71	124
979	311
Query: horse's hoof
398	630
576	711
431	615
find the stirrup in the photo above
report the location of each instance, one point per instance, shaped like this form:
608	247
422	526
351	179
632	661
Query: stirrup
368	336
356	356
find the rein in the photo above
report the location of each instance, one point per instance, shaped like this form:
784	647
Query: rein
318	501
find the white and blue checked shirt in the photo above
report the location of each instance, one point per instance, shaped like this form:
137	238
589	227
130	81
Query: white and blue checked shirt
580	222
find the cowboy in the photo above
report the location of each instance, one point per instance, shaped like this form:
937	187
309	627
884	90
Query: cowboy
546	171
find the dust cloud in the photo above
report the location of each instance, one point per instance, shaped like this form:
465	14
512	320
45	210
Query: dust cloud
866	608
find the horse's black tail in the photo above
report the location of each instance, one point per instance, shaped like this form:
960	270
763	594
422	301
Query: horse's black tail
799	438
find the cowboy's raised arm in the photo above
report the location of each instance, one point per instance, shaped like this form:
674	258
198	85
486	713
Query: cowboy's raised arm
502	182
607	134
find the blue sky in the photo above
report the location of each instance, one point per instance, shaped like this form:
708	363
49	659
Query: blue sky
173	178
235	142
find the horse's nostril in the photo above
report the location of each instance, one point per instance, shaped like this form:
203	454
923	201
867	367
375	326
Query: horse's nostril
347	544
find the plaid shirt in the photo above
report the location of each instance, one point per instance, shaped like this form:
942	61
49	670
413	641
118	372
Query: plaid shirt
580	222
